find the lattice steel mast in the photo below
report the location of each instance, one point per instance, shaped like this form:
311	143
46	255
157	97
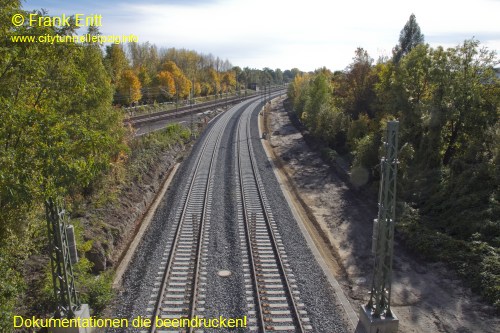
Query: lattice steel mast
383	229
60	261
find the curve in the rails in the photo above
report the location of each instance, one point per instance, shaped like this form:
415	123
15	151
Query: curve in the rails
274	304
269	284
175	113
179	288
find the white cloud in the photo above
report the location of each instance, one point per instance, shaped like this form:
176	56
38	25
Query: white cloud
307	34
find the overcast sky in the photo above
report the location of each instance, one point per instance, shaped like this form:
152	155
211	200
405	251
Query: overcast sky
283	34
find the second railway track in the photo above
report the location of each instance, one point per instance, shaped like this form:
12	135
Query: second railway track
271	291
179	289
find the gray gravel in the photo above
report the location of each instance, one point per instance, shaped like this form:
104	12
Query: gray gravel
225	295
326	313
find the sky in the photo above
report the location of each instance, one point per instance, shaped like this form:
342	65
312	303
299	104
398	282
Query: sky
306	34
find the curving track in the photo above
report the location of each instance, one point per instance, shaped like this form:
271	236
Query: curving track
180	281
225	217
272	295
274	299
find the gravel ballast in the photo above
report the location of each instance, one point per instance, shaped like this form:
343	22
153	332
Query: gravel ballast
225	294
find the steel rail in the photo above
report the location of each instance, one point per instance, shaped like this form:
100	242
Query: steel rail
177	234
175	113
260	318
281	267
186	110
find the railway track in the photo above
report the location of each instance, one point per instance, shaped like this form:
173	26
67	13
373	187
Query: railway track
187	110
271	291
180	284
181	111
271	294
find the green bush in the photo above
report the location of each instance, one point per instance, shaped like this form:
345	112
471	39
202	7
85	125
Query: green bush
329	155
475	261
366	155
11	286
14	249
95	290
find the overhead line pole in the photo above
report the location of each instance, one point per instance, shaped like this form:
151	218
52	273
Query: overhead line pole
377	315
63	278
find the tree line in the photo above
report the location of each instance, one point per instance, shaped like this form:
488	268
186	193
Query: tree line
144	73
448	105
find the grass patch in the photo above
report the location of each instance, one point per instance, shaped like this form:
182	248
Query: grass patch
144	152
146	149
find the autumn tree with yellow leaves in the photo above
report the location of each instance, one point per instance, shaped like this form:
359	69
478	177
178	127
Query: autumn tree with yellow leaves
228	81
166	83
181	82
129	87
176	74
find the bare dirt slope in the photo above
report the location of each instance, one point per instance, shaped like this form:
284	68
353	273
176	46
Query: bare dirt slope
427	297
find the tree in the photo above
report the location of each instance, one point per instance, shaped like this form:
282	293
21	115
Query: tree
145	61
228	81
279	76
57	137
129	87
182	84
474	106
116	61
413	91
143	76
294	72
319	93
356	86
297	92
214	81
166	83
269	74
239	75
197	89
448	105
206	89
189	62
409	38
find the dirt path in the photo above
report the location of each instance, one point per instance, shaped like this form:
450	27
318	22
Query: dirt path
426	297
